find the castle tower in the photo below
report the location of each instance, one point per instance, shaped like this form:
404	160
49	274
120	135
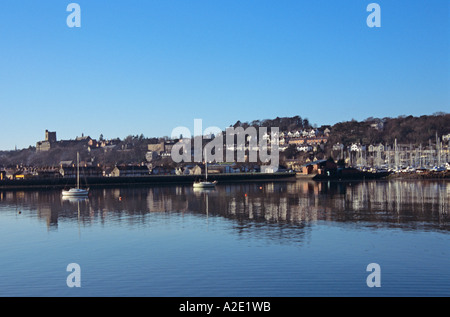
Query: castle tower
50	136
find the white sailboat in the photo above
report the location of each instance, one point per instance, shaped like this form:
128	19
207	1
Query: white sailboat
76	192
205	183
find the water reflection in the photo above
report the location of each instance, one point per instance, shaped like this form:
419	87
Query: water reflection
403	204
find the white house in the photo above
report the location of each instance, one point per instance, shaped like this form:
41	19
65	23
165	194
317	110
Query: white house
312	133
355	147
304	148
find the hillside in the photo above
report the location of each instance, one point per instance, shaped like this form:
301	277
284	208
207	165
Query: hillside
411	130
406	129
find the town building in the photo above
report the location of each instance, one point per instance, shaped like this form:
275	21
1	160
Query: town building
130	171
85	171
318	167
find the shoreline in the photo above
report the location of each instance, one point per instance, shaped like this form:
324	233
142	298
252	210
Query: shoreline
99	182
444	175
431	175
152	180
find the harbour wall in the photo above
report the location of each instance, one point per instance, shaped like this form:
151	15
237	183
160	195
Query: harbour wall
93	182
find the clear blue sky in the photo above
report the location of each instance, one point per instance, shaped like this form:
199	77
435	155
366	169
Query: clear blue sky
149	66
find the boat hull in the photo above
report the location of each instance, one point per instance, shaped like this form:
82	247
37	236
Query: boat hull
75	192
205	185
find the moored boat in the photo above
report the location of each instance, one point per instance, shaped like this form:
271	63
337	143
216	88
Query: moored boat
205	183
76	192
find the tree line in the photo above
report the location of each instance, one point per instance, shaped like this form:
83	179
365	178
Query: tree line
405	129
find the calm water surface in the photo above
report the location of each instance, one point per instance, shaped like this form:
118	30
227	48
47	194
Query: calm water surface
251	239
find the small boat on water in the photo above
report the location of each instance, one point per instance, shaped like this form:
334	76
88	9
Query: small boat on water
205	183
76	192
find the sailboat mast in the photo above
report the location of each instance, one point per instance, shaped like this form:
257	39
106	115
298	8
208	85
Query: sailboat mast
206	167
78	170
